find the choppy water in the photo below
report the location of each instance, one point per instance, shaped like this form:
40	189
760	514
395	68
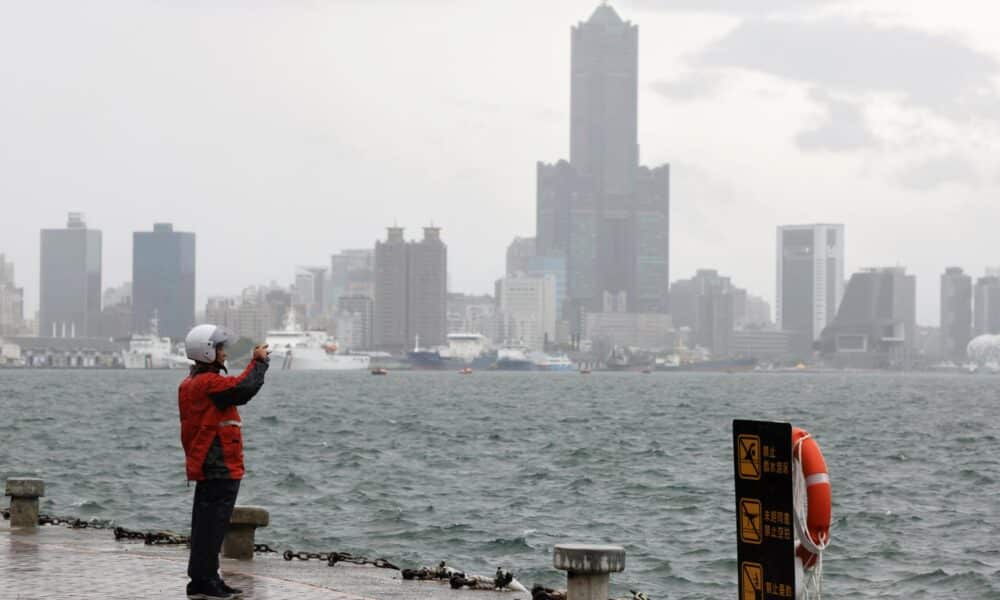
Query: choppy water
495	468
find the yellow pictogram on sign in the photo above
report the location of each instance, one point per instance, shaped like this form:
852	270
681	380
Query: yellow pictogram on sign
752	576
748	447
750	521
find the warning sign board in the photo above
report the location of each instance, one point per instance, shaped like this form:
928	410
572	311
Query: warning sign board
762	454
751	581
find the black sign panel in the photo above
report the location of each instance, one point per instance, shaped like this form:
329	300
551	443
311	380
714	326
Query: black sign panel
765	534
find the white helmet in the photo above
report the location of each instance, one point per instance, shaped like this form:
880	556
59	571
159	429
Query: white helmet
201	342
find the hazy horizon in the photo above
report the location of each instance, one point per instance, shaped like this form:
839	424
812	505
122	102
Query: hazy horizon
283	132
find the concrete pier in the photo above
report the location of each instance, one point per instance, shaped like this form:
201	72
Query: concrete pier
24	494
588	569
243	525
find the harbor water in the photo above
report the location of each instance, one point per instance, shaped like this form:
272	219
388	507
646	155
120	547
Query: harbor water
493	469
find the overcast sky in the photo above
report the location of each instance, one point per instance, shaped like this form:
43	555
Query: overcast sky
283	131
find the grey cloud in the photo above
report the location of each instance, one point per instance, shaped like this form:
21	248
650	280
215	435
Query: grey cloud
929	70
932	173
740	7
843	129
695	85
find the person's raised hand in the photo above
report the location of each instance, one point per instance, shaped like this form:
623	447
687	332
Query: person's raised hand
260	352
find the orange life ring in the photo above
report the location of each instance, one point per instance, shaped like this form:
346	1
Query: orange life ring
818	492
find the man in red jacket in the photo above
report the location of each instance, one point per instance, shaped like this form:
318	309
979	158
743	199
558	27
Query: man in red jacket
213	445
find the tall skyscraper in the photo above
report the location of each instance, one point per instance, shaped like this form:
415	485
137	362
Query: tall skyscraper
528	309
602	211
351	274
709	304
411	290
70	280
956	313
163	280
390	323
810	270
987	305
427	289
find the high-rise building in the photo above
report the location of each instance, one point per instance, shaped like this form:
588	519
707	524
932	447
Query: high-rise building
519	252
11	300
163	280
956	313
607	215
876	324
528	309
987	305
310	288
411	290
810	269
708	303
70	280
540	266
427	289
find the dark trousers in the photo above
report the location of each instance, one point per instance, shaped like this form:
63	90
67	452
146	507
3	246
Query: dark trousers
214	500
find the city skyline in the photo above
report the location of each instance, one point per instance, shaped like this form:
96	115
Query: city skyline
725	197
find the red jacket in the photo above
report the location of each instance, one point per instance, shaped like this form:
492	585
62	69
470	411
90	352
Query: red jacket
207	401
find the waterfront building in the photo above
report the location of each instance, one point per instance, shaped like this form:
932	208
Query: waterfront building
648	331
763	344
357	313
758	314
163	281
468	313
11	300
810	282
875	326
987	305
63	352
540	266
70	280
309	291
527	310
116	315
519	252
411	290
956	313
708	304
607	215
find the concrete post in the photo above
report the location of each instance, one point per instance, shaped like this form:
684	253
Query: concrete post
24	494
588	569
238	542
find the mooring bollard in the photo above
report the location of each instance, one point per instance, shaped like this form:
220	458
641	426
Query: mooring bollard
24	495
588	569
238	542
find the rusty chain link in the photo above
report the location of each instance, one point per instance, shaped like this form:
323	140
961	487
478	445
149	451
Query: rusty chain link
332	558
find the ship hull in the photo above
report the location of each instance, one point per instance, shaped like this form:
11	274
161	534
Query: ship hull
314	359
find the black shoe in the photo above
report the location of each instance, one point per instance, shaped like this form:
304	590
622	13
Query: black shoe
236	592
208	590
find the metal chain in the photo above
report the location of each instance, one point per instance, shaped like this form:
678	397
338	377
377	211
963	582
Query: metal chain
332	558
152	538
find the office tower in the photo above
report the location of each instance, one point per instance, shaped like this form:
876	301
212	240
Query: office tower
163	281
758	313
876	324
810	267
427	289
607	215
70	280
540	266
987	305
519	252
527	308
411	282
956	313
11	300
310	288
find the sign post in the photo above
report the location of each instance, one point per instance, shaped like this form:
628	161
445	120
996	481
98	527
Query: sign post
765	533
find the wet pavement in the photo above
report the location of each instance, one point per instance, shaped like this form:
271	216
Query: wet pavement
56	562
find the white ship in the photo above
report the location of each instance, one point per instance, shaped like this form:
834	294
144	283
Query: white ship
293	349
150	351
548	362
